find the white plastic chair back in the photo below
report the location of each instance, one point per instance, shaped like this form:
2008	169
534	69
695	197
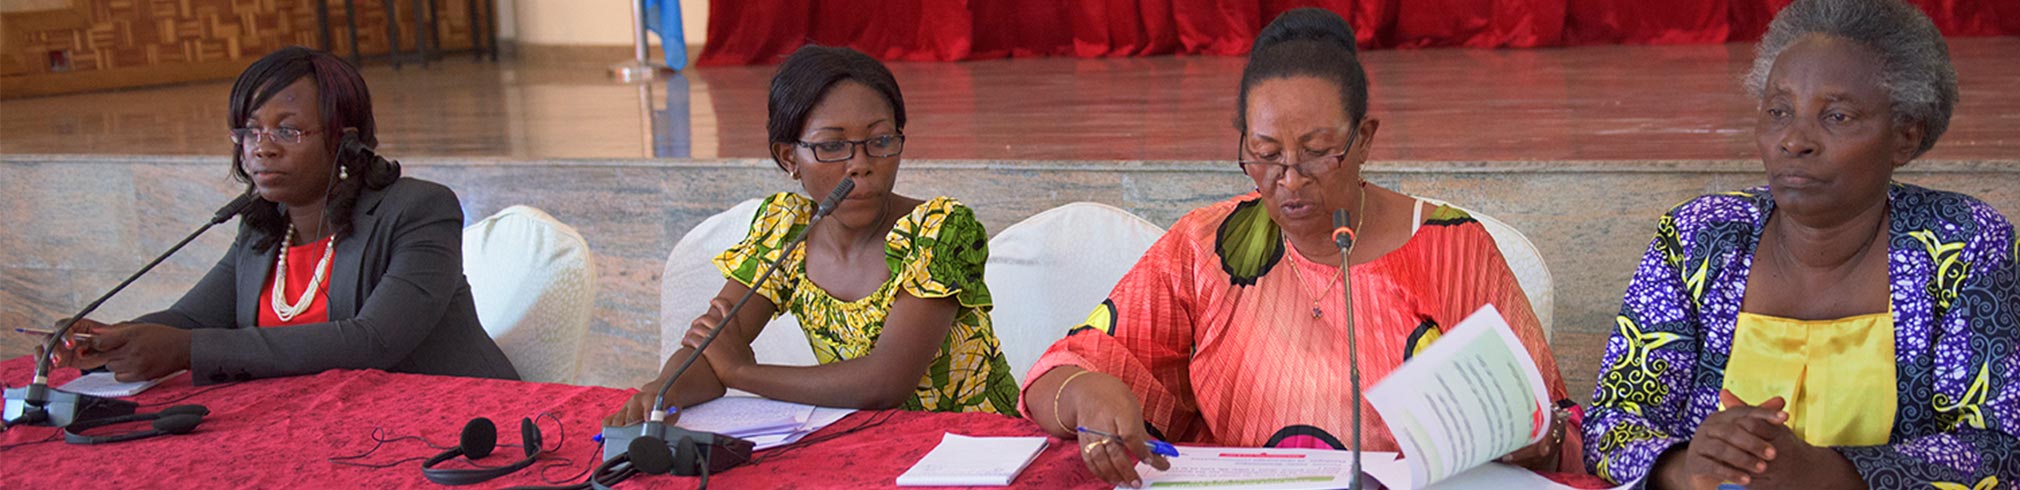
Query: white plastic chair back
533	279
1525	260
690	280
1049	271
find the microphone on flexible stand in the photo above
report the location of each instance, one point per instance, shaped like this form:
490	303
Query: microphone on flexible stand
699	453
1343	237
38	405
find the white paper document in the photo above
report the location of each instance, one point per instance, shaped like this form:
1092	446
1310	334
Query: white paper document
104	385
739	416
1224	468
973	461
1471	397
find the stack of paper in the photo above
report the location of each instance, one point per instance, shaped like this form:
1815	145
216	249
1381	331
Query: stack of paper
973	461
767	423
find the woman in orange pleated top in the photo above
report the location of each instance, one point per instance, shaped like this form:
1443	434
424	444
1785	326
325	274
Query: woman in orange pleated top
1231	330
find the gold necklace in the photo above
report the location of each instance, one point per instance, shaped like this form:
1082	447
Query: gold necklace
1297	271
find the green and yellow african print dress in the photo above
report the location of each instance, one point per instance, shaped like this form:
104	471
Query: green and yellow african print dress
937	251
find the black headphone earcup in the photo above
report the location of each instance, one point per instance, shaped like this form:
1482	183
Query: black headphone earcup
529	436
480	436
650	455
177	423
685	456
197	410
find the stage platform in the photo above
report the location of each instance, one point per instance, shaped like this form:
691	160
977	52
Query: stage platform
1581	148
1589	103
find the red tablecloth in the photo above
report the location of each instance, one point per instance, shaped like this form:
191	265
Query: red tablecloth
281	432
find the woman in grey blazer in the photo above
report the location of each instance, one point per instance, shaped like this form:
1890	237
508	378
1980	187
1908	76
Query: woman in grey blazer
339	264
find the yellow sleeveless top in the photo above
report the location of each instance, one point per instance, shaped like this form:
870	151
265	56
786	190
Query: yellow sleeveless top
1837	375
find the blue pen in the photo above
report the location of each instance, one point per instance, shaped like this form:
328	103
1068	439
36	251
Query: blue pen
1156	446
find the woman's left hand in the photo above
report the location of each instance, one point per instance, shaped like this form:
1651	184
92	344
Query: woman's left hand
142	351
1542	455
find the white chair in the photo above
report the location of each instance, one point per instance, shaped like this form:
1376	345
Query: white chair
690	280
1049	271
1525	260
534	283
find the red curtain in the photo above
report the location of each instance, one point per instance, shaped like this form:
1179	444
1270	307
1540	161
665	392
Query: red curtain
764	31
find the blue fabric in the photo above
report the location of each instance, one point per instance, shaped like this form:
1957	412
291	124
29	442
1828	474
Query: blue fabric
663	17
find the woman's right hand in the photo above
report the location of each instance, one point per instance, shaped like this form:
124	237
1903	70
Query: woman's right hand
1732	445
635	409
72	353
1101	402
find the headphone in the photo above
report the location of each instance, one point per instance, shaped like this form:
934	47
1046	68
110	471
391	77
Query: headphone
480	436
645	455
179	419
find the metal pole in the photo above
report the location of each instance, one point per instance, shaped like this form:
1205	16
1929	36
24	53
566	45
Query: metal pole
638	69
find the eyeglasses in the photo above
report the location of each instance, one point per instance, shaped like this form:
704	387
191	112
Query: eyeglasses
1274	169
251	136
885	146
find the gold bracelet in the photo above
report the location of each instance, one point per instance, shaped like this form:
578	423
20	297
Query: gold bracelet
1056	417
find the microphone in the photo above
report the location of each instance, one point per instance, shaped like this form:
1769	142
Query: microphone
736	450
1343	237
39	405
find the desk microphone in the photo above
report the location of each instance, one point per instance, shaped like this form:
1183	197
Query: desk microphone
37	404
1343	237
654	429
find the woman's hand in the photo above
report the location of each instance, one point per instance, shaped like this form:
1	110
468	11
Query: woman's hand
1544	454
725	357
1101	402
72	352
1734	445
635	409
142	351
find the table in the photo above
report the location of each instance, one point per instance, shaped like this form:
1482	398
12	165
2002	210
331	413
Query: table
280	433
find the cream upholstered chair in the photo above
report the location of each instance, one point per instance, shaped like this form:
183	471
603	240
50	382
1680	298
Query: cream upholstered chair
1049	271
533	279
691	279
1525	260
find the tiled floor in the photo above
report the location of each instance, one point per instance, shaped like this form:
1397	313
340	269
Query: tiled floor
1591	103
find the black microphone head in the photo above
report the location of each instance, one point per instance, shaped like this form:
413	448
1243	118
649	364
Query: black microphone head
835	197
1343	231
177	424
480	436
197	410
650	455
233	208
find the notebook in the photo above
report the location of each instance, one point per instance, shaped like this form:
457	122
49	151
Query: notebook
102	384
973	461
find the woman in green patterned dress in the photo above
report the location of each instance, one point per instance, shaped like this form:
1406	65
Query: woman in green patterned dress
888	289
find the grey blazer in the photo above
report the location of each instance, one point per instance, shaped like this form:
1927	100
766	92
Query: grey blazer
398	300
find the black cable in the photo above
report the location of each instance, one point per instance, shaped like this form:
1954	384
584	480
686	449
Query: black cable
52	438
874	420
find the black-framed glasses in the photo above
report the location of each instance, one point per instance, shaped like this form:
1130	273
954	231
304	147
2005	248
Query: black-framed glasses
1271	170
251	136
885	146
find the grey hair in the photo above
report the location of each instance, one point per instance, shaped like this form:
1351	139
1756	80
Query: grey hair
1914	61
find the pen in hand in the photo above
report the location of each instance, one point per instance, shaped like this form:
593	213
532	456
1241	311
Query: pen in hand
45	333
1156	446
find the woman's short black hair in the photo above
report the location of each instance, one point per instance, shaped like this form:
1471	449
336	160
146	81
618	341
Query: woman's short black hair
347	120
805	78
1306	42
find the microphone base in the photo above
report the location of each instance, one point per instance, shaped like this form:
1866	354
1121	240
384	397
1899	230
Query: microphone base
724	452
63	408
